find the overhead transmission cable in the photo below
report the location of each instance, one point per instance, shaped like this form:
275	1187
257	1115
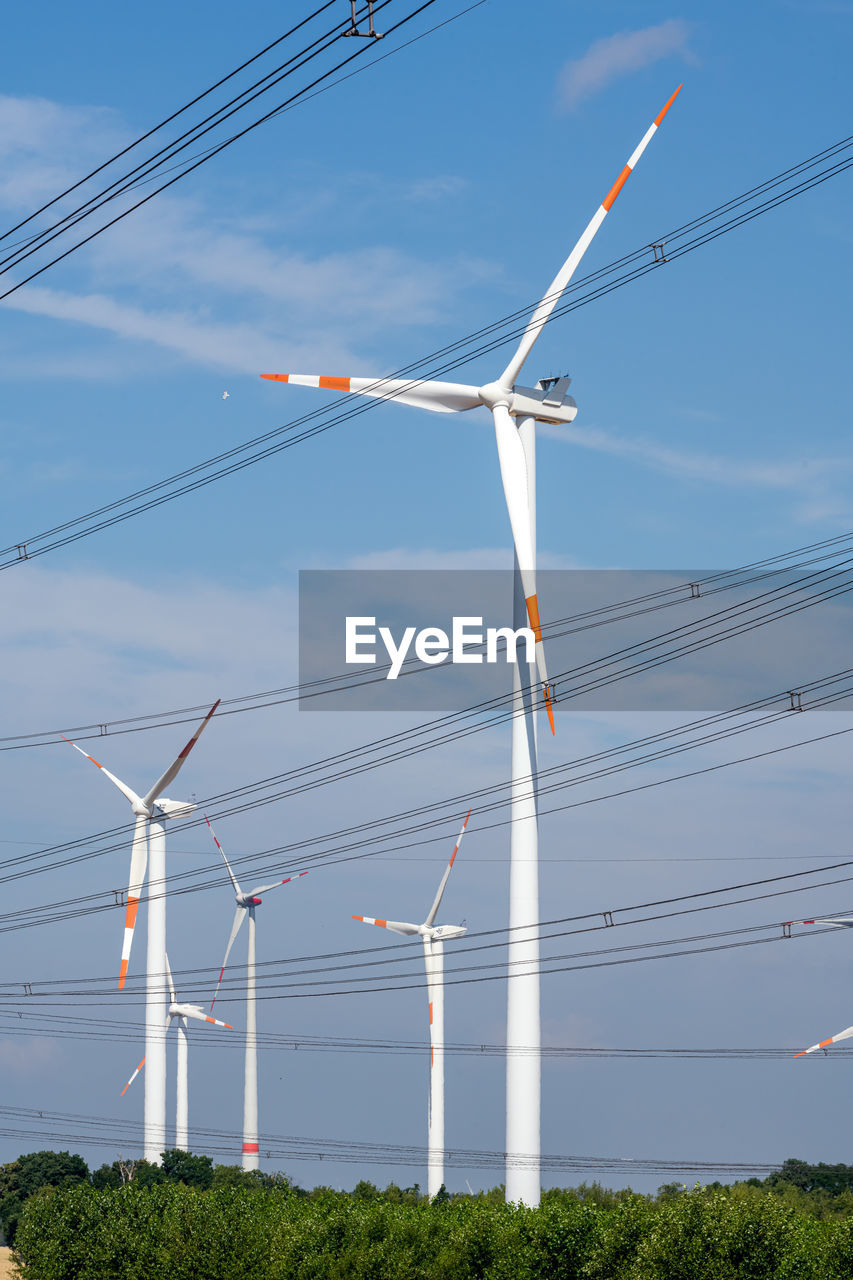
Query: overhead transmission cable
347	848
360	50
683	593
43	1025
451	357
363	959
75	186
411	742
120	1133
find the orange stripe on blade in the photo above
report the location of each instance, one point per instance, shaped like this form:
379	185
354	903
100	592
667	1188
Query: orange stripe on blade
275	377
132	908
533	614
824	1043
663	112
335	384
430	1013
122	974
616	188
549	708
383	924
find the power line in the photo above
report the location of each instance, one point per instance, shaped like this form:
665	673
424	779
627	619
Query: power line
168	120
686	592
42	1025
71	908
114	1132
411	742
360	50
450	357
403	953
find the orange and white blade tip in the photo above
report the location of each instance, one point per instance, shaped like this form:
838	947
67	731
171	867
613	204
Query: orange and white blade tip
549	708
310	380
80	749
459	841
383	924
194	739
629	167
132	1078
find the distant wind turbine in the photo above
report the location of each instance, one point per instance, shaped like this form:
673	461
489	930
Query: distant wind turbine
179	1013
149	846
246	904
433	937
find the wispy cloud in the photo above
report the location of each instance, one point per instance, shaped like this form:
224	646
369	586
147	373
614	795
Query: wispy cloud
619	55
256	299
808	478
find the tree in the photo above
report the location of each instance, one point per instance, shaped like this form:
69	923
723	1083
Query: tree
183	1166
27	1174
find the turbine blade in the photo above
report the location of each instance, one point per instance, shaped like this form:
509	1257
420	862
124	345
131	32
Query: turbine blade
842	1035
540	316
132	1078
514	477
138	864
239	916
175	767
171	983
838	922
396	926
265	888
122	786
440	397
187	1011
237	888
437	903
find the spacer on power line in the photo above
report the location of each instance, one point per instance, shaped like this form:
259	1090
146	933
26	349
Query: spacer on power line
657	250
370	33
695	591
608	918
786	929
796	700
21	548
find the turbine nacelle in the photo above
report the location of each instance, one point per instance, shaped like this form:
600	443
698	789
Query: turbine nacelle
247	900
164	808
442	932
546	402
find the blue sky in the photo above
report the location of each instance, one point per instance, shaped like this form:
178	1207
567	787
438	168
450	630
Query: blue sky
404	208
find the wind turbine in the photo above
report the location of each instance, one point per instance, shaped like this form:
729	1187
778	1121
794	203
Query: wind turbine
433	936
180	1013
149	847
246	904
515	409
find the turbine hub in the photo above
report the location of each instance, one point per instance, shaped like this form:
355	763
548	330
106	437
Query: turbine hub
494	394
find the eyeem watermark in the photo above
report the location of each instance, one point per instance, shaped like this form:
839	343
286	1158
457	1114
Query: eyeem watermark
469	641
432	641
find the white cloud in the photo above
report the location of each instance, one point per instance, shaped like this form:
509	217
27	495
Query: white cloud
257	300
800	474
237	346
615	56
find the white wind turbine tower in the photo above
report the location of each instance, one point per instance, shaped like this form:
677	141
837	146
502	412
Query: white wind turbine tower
246	904
149	849
180	1013
433	937
516	409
